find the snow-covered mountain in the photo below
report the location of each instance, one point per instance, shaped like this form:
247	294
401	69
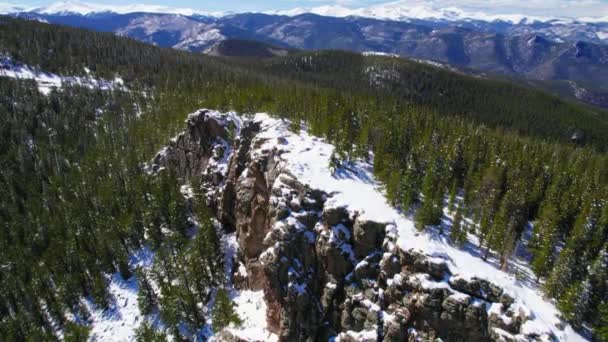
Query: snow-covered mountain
86	8
402	10
408	10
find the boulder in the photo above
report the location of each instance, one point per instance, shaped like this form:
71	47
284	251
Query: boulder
477	287
334	216
367	236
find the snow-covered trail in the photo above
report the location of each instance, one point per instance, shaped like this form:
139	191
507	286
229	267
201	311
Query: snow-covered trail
307	158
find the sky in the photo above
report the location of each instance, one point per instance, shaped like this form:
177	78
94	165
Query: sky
558	8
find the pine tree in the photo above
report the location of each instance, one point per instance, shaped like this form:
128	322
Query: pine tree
431	211
223	313
543	241
393	188
146	333
574	304
73	332
601	332
458	233
453	193
146	298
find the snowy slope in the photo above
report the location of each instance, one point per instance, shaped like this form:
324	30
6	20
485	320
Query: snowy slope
86	8
308	159
406	10
48	81
120	321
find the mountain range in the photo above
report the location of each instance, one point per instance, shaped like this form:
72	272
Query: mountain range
565	56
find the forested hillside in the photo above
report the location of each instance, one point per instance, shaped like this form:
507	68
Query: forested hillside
76	200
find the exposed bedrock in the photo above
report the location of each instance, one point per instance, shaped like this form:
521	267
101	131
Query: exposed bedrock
329	272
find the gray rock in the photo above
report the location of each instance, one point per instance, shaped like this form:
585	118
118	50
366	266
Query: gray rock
334	216
368	236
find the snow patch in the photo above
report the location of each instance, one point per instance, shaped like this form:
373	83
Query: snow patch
48	81
251	307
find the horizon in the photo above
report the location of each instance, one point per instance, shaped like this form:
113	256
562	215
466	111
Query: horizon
532	8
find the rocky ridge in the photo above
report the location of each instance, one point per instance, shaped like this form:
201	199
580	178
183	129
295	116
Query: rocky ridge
325	270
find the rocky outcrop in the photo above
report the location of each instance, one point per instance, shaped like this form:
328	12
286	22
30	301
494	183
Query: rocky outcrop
189	153
325	271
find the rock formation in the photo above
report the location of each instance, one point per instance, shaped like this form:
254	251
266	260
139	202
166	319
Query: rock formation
327	272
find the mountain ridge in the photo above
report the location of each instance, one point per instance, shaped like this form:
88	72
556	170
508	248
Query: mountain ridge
544	52
395	10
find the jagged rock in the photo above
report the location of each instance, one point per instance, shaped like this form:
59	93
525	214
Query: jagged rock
368	236
314	200
368	268
454	307
506	301
303	254
389	266
334	216
419	262
477	287
358	318
334	261
189	153
236	166
227	336
395	329
281	213
498	334
309	219
509	320
393	295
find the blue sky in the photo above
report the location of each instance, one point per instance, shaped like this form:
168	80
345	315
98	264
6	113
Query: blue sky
568	8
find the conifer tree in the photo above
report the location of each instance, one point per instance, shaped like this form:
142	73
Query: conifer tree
146	298
223	313
601	332
459	232
431	211
574	303
146	333
542	244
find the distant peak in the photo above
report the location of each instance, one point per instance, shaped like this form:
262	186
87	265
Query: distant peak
86	8
401	10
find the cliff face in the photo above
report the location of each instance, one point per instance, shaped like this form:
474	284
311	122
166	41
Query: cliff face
326	270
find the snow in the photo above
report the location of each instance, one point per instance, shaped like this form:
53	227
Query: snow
424	281
460	297
396	280
354	187
202	39
407	10
251	308
603	35
365	335
119	322
48	81
382	54
86	8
